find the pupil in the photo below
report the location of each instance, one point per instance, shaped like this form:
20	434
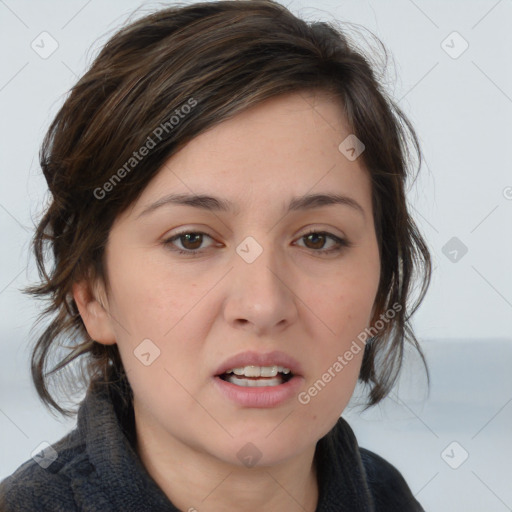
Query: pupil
192	235
317	236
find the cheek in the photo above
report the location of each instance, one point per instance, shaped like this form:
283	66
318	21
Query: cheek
150	299
326	396
156	313
344	303
344	307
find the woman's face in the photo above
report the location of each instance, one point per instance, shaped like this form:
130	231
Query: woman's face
251	284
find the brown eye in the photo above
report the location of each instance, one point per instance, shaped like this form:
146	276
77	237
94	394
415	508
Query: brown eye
190	241
315	240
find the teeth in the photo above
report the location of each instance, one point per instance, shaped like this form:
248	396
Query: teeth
268	371
259	371
255	383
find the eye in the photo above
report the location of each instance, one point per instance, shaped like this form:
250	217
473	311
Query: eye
316	240
190	240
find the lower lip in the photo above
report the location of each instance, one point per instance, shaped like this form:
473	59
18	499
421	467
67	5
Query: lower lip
260	397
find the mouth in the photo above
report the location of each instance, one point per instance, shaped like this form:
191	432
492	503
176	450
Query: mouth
255	369
259	380
257	376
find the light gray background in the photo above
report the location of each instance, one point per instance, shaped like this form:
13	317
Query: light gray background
461	108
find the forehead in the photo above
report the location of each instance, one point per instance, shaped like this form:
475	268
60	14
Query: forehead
281	148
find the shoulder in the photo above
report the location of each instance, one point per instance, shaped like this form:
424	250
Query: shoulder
45	484
387	485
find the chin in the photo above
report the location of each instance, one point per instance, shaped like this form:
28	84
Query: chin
261	450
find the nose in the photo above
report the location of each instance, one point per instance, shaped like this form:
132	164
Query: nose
260	294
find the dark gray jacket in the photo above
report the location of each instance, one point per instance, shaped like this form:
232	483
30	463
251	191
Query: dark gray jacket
98	470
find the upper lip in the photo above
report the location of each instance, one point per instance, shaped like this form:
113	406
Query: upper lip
251	358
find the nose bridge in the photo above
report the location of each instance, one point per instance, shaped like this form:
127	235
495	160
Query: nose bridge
259	292
258	264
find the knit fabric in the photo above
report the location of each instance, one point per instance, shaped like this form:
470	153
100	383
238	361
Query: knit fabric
98	470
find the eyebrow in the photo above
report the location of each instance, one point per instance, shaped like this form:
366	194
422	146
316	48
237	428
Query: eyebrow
217	204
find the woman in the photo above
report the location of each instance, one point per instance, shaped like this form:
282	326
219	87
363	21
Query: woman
232	252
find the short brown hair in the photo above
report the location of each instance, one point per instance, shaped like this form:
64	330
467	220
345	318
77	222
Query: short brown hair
227	56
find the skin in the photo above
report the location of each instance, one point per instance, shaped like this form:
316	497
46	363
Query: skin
201	310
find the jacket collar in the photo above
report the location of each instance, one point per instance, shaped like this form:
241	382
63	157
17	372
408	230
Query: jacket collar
113	475
107	423
341	475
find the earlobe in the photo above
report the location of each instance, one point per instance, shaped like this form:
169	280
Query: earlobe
94	313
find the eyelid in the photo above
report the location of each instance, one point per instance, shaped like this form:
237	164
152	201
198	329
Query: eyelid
324	229
177	235
309	230
341	242
183	231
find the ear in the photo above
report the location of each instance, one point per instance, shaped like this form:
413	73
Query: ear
94	313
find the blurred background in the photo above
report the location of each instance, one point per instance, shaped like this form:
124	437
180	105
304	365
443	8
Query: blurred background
450	71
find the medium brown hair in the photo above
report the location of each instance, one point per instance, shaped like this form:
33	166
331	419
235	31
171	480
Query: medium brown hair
226	56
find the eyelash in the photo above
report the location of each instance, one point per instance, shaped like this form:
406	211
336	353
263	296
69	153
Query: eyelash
342	243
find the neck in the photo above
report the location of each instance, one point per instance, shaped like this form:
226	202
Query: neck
196	481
